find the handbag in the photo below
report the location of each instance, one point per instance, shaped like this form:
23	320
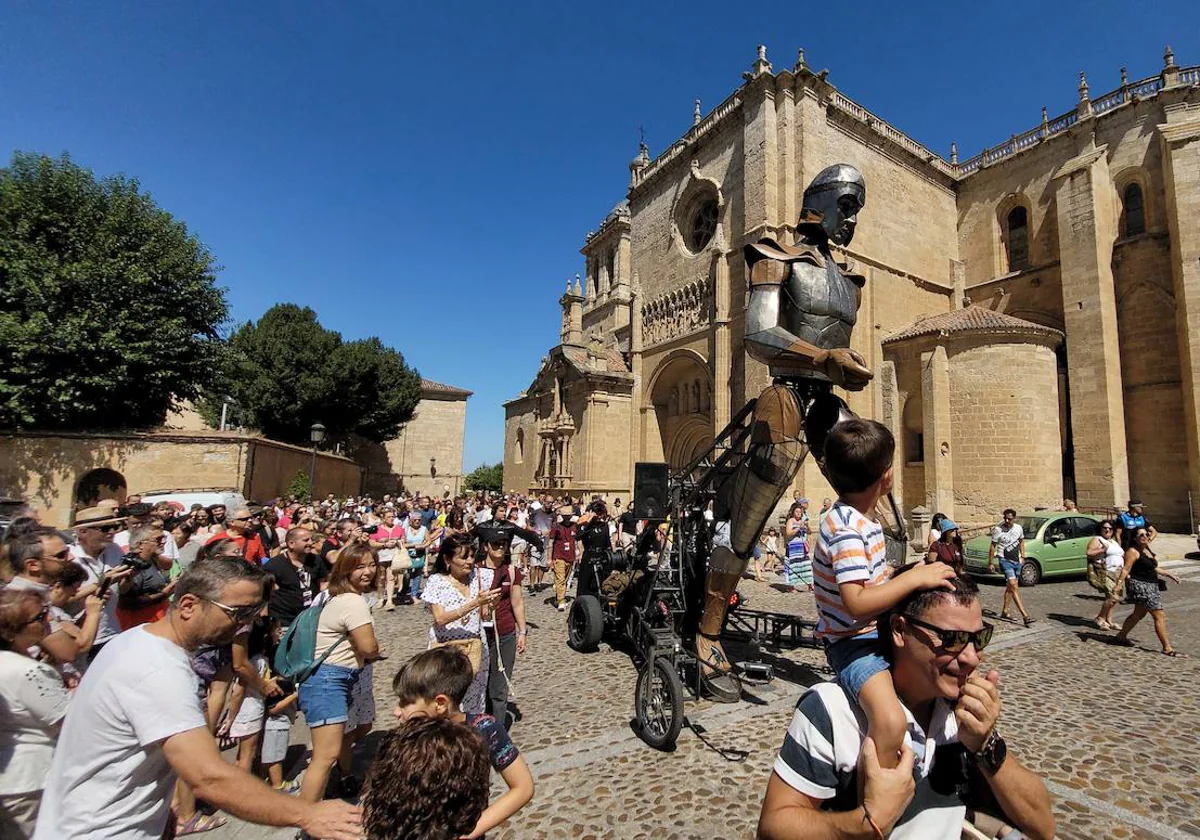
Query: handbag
472	648
1096	575
1162	585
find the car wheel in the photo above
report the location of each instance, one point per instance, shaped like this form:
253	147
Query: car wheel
1031	573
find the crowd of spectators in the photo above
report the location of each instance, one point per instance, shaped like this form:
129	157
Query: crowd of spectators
141	640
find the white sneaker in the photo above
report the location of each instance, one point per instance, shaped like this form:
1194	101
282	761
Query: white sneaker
562	607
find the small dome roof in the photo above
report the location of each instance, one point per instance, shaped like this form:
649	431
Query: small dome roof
971	319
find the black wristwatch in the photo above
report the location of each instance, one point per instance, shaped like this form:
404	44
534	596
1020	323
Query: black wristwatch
993	752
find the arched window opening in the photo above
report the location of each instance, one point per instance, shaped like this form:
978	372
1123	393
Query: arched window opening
703	225
1018	239
1135	210
519	455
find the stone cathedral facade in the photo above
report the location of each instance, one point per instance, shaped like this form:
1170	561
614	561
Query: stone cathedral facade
1032	314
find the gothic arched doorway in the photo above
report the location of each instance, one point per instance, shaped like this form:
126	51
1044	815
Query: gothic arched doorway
681	396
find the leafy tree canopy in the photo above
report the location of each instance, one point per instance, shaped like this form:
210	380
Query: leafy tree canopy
485	477
109	310
288	372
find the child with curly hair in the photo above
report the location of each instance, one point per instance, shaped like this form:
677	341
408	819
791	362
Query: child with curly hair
429	781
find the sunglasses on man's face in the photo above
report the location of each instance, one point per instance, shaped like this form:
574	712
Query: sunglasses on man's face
953	642
61	556
238	615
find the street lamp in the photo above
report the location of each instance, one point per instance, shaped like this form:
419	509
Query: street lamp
316	434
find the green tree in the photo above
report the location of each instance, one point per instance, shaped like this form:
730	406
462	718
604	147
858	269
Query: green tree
299	488
287	372
485	477
109	309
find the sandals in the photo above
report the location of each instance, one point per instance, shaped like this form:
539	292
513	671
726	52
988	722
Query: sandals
1029	620
198	823
1175	654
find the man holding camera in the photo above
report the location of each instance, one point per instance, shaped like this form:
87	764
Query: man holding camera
144	595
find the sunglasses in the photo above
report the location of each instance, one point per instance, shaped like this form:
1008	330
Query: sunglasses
954	642
41	616
60	556
238	615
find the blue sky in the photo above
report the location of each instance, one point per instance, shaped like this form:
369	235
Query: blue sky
427	172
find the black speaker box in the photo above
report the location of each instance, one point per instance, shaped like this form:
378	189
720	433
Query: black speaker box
650	490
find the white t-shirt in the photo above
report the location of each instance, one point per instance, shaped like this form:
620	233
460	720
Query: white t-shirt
95	568
1114	556
33	700
110	777
1006	539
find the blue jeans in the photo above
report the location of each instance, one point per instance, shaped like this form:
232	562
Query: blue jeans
856	660
325	696
416	582
1011	569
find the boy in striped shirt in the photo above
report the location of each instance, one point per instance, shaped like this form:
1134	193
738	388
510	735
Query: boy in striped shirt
854	583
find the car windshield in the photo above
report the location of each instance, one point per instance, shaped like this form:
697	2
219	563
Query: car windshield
1030	525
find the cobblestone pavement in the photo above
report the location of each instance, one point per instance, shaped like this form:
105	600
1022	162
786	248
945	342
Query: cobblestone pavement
1112	730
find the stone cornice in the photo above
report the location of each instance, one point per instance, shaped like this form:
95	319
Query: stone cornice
1181	131
1080	162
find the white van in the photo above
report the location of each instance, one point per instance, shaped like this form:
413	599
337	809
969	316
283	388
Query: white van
206	496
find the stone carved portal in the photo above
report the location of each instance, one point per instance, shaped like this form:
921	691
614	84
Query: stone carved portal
682	400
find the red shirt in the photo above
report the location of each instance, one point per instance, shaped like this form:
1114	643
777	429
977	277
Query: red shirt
506	577
562	541
251	547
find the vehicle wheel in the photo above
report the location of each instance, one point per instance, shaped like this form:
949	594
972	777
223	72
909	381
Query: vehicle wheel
585	623
1031	573
658	700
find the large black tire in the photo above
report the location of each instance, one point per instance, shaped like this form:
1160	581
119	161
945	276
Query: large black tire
1030	574
585	623
658	701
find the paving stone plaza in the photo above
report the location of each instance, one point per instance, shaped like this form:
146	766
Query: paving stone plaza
1112	730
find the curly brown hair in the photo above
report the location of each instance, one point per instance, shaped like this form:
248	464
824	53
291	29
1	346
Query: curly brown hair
429	781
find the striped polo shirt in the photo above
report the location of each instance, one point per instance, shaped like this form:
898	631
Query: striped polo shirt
819	758
850	549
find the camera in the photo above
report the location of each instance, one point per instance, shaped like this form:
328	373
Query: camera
370	529
133	561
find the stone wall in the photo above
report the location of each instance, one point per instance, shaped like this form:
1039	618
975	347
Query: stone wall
437	430
1005	442
46	468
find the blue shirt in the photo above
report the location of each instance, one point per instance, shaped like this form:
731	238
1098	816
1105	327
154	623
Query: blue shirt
1129	526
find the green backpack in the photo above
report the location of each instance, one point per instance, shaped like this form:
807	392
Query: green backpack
296	658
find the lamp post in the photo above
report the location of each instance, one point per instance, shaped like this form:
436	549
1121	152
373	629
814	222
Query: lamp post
316	434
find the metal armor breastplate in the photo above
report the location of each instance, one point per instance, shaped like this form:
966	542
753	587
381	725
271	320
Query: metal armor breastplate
820	305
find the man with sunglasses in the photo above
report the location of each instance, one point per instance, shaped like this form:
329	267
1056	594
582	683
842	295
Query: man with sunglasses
240	529
135	724
954	756
100	557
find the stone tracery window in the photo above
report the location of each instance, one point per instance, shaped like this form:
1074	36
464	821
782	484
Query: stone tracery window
1017	241
1134	210
703	224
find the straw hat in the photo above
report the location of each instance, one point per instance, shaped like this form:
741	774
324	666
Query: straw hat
94	517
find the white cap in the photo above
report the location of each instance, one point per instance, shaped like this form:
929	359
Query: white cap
535	505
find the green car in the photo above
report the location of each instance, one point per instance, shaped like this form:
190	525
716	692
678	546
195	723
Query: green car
1055	546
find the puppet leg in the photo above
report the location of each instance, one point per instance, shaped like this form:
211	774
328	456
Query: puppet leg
774	453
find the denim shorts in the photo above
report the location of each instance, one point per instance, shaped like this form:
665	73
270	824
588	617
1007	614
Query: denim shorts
856	660
325	696
1011	569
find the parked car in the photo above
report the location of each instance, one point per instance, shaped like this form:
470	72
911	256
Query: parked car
206	496
1055	546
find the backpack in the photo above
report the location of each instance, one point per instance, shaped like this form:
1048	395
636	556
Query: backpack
296	658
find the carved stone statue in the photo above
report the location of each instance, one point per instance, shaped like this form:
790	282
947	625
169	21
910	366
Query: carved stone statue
803	306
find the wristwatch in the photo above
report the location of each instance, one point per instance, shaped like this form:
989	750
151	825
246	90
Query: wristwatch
993	752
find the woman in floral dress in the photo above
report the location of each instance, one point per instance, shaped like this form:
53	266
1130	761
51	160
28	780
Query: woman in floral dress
457	593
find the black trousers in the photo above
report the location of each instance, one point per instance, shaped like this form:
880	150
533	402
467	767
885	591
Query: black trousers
497	690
